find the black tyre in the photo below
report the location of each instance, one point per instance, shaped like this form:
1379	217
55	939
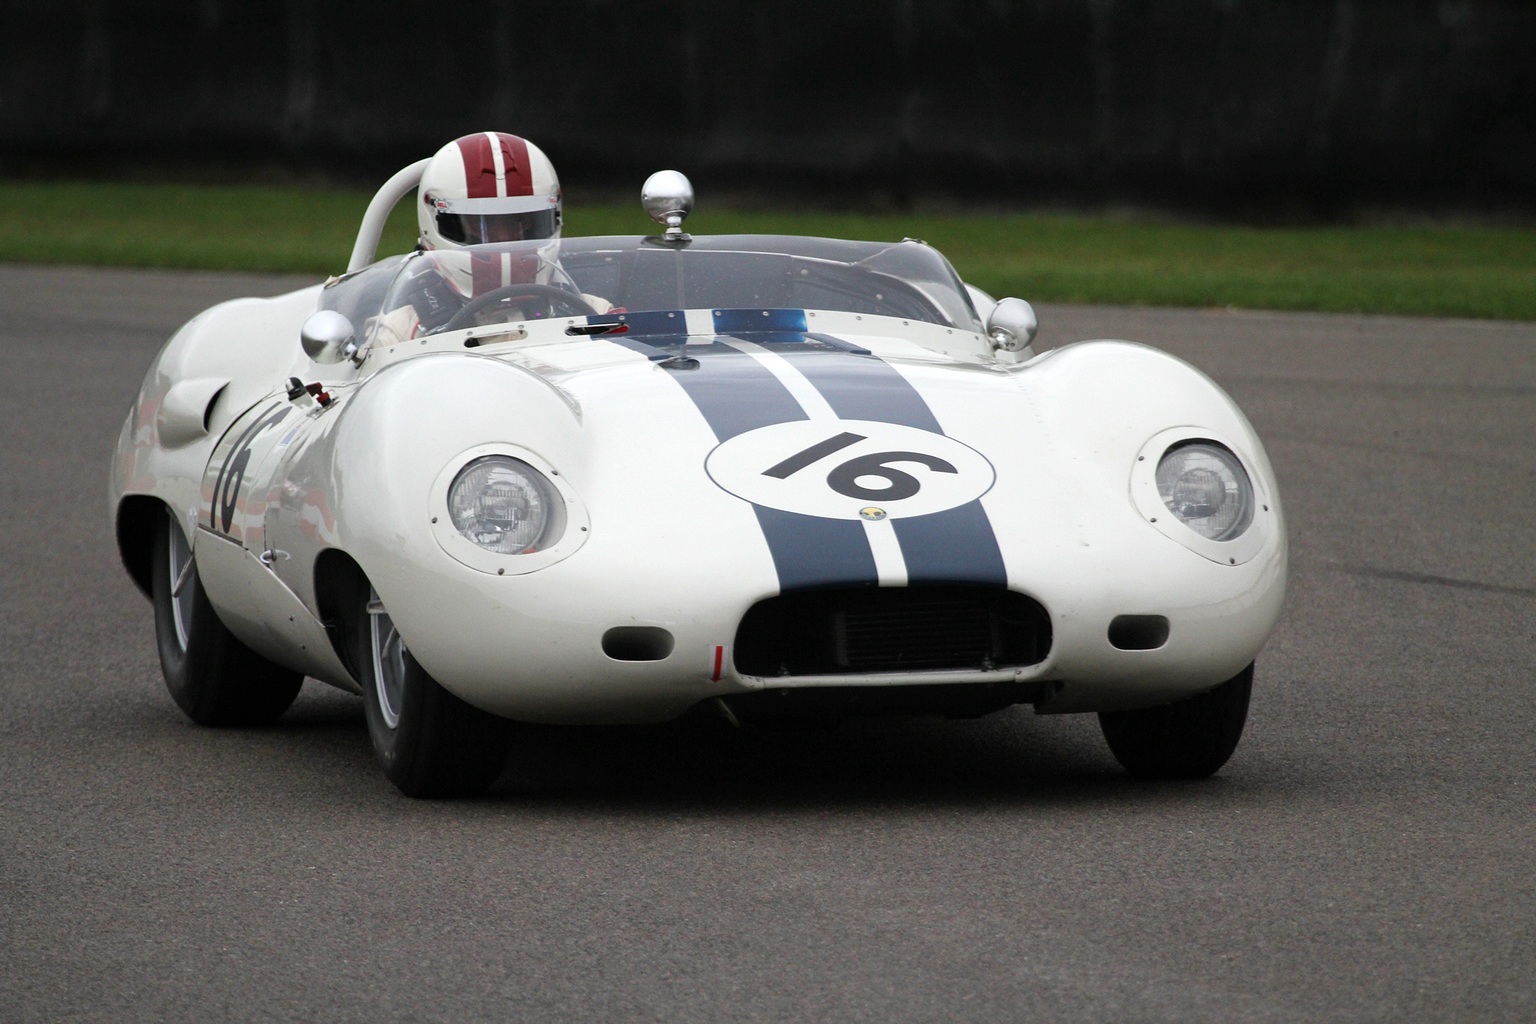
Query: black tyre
1189	739
429	742
212	676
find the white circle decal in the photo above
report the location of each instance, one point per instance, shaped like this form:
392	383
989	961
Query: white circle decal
850	469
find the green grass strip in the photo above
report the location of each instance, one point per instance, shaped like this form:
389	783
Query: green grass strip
1430	271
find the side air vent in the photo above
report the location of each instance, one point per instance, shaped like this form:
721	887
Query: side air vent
1138	632
891	629
637	643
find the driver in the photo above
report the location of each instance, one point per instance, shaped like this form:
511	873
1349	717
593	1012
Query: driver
485	187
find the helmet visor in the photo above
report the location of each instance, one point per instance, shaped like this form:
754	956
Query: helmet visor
475	228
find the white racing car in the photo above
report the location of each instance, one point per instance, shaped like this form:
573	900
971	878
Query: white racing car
629	478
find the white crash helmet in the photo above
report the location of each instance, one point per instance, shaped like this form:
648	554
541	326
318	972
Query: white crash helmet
488	187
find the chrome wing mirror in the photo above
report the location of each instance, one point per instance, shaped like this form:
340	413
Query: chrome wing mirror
1012	326
327	337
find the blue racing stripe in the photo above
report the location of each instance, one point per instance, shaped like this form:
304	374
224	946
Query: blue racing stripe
954	546
809	551
864	389
736	394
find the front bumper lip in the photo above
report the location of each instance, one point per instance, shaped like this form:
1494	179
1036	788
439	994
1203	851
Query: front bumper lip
948	677
532	647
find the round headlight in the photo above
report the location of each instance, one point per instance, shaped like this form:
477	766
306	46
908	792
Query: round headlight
1206	487
505	505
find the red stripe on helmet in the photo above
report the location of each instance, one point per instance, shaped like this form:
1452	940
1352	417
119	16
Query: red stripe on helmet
514	151
492	270
489	271
479	166
480	178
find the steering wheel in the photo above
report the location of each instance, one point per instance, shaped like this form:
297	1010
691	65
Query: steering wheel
559	299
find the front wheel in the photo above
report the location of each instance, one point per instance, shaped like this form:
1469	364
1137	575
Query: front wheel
429	742
1188	739
213	677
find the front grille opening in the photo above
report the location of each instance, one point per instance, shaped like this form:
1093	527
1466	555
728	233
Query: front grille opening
891	629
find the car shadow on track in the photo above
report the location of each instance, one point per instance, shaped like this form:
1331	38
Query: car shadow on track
704	762
1010	757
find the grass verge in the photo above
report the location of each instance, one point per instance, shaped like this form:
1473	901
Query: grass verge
1420	271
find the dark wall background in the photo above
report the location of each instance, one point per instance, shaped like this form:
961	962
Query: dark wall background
1314	106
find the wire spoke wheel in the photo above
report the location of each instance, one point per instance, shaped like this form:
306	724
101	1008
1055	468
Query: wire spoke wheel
388	661
429	742
213	677
182	593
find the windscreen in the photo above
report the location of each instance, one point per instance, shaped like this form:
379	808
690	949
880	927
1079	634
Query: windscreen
431	292
902	279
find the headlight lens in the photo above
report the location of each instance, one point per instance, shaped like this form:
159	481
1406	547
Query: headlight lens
1206	487
505	505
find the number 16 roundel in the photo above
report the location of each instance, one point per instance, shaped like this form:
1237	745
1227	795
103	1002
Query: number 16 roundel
837	469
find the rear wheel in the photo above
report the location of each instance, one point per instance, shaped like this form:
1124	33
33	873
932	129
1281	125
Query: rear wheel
1188	739
429	742
213	677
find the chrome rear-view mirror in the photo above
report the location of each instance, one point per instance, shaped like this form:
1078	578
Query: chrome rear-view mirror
1012	325
327	337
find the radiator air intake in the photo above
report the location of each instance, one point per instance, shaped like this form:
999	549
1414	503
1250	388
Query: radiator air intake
891	629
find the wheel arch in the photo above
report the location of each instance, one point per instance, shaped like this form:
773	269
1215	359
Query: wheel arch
138	516
340	587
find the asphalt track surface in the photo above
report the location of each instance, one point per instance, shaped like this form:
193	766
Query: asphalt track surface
1369	854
